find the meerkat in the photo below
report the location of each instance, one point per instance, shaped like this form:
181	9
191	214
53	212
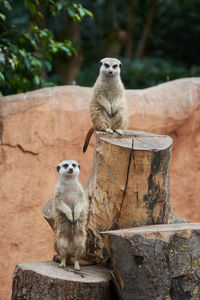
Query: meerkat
71	211
108	108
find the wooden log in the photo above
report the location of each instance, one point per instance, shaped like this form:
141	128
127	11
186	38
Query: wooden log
129	185
156	262
44	280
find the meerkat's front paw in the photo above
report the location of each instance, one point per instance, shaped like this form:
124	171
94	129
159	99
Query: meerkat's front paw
109	130
74	221
76	265
119	131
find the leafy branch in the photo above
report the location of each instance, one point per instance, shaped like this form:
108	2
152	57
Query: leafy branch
26	50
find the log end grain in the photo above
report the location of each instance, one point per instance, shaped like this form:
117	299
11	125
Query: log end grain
44	280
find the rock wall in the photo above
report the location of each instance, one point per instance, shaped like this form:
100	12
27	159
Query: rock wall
38	129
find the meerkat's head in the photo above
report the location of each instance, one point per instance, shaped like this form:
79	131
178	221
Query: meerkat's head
68	168
110	66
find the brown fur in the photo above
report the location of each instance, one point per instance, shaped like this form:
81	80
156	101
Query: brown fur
108	107
71	211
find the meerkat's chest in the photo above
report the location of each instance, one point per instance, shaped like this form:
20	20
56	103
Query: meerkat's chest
71	196
110	94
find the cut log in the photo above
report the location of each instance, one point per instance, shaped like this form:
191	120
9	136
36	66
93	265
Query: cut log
156	262
44	280
129	185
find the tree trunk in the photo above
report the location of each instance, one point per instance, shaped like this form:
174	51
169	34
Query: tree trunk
114	37
140	52
129	185
69	66
156	262
44	280
130	27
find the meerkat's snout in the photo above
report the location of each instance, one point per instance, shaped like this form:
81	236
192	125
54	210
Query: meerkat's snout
70	170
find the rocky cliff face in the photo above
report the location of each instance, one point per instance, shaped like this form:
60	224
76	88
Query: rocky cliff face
41	128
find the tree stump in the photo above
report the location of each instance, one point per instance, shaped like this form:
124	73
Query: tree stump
44	280
156	262
129	185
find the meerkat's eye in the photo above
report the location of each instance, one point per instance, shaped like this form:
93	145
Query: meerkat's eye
58	168
74	165
107	66
115	67
65	166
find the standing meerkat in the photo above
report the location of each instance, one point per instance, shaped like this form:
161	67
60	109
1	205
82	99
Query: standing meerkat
108	108
71	211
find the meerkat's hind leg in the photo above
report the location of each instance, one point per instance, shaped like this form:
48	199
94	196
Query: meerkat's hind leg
63	262
119	131
109	130
79	245
76	265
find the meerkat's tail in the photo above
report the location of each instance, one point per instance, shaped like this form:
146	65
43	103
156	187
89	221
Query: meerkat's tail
87	139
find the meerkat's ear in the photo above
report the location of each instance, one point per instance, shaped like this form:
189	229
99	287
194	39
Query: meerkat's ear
100	63
120	65
58	168
79	167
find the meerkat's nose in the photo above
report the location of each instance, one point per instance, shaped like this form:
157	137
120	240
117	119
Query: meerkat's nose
110	72
70	170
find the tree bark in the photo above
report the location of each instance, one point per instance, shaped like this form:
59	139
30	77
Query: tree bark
129	185
44	280
114	37
130	27
69	66
156	262
140	52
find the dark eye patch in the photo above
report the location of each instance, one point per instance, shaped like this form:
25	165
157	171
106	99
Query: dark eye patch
58	168
107	65
74	165
115	67
65	166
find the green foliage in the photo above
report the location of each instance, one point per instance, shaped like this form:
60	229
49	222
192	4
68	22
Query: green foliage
152	71
75	10
26	50
142	73
172	46
31	55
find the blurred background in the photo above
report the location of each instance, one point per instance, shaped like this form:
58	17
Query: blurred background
46	43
